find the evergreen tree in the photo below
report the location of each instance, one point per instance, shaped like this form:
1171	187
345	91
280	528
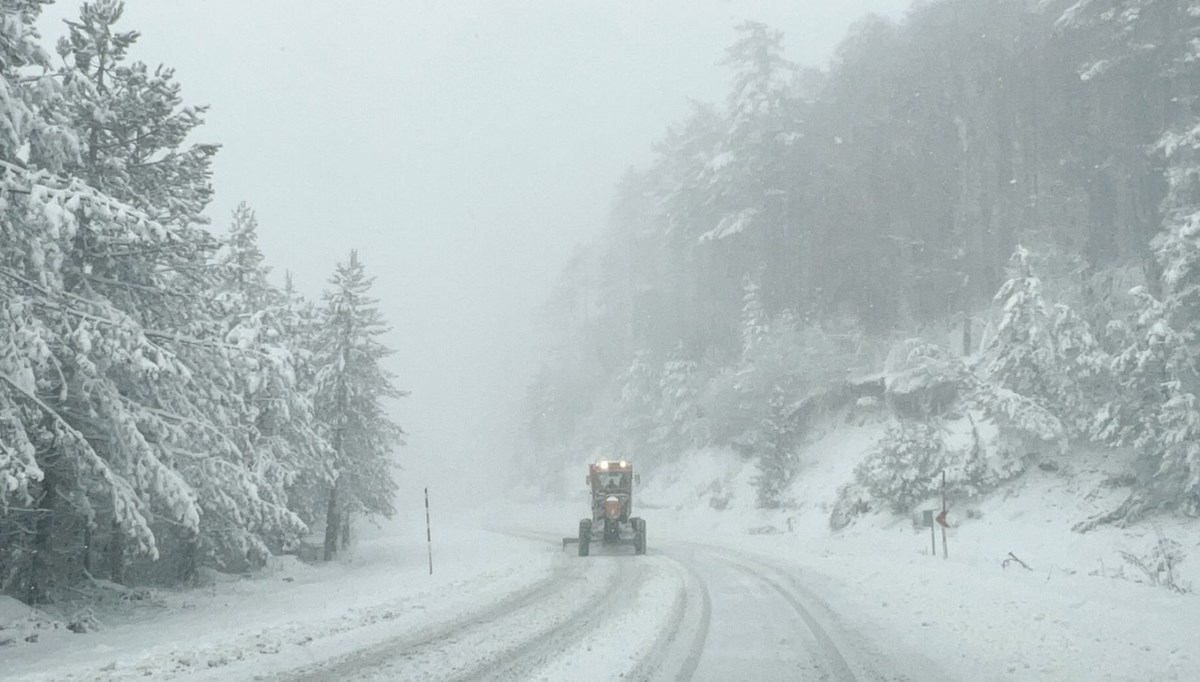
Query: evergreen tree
1154	411
754	319
1047	354
1022	354
352	390
637	404
258	321
133	122
679	421
298	321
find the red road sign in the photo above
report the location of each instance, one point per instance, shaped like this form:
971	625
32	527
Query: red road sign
941	519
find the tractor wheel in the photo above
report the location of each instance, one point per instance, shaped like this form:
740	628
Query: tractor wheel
639	535
585	536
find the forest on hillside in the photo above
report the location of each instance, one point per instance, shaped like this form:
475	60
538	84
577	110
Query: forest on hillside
164	408
985	214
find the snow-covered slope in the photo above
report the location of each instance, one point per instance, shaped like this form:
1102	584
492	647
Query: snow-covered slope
1077	609
1031	516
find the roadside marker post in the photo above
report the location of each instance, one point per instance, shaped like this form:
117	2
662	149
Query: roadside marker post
428	532
941	518
928	520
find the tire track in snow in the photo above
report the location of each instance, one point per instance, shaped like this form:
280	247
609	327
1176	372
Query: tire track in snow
383	652
544	645
675	655
675	651
849	656
836	666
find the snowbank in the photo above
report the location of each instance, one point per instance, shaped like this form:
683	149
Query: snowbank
20	623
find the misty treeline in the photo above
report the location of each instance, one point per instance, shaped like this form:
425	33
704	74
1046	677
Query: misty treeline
163	406
983	219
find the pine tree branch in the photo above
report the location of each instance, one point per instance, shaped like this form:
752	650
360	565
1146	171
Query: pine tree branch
136	287
55	183
148	333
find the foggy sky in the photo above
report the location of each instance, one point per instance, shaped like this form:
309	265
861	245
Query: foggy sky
463	146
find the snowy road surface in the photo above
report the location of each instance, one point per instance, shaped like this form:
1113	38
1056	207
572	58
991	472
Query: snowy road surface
507	604
717	597
686	611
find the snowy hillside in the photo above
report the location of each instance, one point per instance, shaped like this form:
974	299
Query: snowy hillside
1081	606
1031	516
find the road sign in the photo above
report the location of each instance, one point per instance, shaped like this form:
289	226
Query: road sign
941	519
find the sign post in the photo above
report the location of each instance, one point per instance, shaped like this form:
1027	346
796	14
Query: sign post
941	518
928	519
428	532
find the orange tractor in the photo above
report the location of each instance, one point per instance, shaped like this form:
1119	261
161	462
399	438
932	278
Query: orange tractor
611	523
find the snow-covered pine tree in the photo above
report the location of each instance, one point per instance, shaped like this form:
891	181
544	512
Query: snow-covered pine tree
299	323
1022	354
755	324
1154	411
746	178
279	428
1046	354
66	354
22	340
637	405
1155	408
1085	369
242	285
679	424
133	122
142	265
776	434
134	128
742	172
352	391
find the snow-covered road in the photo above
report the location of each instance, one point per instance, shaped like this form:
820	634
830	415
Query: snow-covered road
685	611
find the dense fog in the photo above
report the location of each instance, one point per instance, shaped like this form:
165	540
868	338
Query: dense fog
271	273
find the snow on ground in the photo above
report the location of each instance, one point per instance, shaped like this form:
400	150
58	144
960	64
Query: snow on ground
292	614
1077	612
1080	611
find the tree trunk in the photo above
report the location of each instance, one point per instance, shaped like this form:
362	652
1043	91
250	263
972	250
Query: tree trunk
189	562
39	560
332	524
116	554
346	531
86	558
967	345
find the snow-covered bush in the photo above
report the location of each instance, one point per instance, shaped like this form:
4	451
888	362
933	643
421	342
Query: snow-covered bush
853	500
976	431
923	379
1160	565
902	468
